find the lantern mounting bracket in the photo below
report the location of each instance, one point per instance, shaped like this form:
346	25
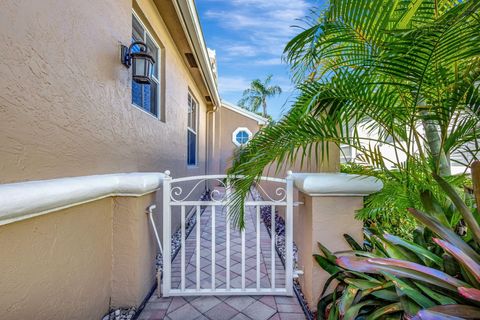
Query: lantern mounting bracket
126	52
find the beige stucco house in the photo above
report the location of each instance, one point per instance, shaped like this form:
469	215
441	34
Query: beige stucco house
83	151
237	127
69	108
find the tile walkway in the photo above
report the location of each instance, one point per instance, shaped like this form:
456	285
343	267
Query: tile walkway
226	307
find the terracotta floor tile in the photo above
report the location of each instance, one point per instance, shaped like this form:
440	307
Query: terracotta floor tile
221	311
292	316
259	311
203	304
185	312
240	302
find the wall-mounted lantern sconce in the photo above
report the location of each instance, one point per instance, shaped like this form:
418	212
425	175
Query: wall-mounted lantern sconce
141	61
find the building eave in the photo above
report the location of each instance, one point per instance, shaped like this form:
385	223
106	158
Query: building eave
260	120
188	16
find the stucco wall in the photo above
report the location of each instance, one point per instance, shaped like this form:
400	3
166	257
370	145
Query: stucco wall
65	98
229	122
65	110
78	262
132	274
57	266
322	219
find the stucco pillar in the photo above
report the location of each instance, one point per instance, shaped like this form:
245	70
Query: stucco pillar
134	251
330	201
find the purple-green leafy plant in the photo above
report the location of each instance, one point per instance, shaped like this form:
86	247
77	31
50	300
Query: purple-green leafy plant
435	276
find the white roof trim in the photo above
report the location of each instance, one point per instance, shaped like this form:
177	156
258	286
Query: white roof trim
187	12
24	200
260	120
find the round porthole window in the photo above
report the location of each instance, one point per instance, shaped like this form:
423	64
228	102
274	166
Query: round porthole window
241	136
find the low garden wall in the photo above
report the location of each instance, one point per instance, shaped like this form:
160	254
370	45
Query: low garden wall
74	248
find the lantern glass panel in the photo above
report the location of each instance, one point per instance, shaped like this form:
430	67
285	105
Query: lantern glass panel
138	67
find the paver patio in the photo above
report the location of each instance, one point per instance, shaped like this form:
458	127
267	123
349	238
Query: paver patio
226	307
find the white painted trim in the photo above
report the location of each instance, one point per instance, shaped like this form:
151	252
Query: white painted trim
260	120
24	200
223	176
230	292
336	184
145	111
239	129
187	12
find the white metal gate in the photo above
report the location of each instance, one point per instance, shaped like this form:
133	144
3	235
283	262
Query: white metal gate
222	274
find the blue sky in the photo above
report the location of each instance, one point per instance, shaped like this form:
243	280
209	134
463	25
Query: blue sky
249	37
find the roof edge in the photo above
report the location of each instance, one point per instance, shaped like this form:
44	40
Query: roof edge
260	120
187	12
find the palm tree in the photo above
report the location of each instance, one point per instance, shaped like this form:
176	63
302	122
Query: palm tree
406	69
257	95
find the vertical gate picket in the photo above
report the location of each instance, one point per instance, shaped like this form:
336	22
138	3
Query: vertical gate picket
289	235
258	246
243	260
197	264
182	264
213	247
227	244
273	234
166	235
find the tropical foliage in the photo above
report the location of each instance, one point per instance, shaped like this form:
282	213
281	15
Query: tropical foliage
407	72
404	70
387	210
256	96
434	276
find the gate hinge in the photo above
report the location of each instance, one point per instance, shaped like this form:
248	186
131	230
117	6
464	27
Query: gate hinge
298	203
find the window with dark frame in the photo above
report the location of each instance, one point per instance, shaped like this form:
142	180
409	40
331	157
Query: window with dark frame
192	131
145	96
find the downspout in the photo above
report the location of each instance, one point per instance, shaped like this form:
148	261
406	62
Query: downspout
207	148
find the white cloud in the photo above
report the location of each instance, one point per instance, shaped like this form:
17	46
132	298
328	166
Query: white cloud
240	50
239	84
268	62
266	25
232	84
252	35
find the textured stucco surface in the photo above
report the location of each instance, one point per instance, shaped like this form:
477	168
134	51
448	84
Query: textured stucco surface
65	99
229	122
75	263
134	251
324	220
57	266
65	110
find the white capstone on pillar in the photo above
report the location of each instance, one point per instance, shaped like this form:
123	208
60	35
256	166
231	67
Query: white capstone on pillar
330	201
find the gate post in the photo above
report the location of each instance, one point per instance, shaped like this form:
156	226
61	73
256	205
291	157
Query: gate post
167	243
330	201
289	234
